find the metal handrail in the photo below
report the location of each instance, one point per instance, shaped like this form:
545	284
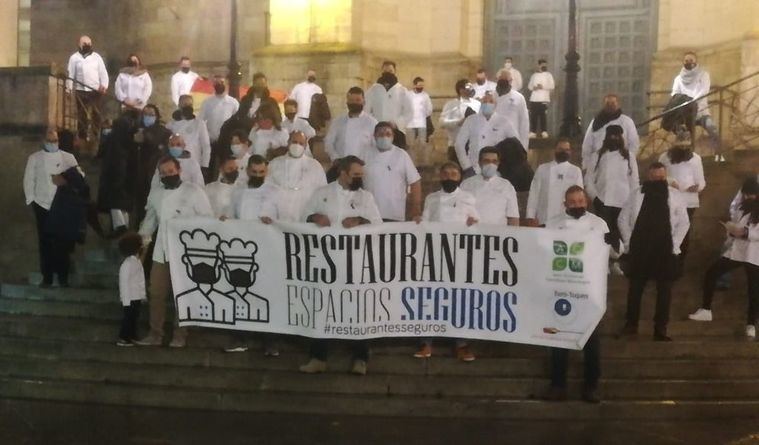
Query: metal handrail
66	77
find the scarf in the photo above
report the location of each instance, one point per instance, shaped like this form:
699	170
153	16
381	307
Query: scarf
604	117
690	76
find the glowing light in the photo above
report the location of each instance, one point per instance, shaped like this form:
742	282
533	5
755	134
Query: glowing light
310	21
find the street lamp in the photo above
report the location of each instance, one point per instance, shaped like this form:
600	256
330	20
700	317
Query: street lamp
234	74
570	125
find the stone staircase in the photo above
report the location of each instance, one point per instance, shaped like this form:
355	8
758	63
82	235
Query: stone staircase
58	344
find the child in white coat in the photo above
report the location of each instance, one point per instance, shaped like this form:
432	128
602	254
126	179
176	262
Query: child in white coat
131	287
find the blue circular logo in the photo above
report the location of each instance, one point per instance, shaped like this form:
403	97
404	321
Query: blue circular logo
562	307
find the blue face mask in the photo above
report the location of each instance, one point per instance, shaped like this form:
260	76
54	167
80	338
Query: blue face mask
148	121
51	147
176	151
487	109
384	143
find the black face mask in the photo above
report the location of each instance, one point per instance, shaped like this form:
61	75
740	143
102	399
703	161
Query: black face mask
658	187
231	177
311	79
171	182
185	69
203	273
689	66
449	185
561	156
218	88
388	80
356	183
290	116
255	181
240	278
86	49
613	144
418	90
480	81
544	68
355	108
576	212
132	63
187	112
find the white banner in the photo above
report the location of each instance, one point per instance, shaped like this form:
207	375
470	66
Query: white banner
524	285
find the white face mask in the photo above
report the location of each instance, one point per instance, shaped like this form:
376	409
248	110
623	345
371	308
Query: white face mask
384	143
296	150
237	150
489	170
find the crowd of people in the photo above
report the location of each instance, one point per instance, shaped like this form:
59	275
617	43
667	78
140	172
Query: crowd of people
245	160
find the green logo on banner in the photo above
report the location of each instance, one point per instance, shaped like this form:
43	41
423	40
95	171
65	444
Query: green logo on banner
567	256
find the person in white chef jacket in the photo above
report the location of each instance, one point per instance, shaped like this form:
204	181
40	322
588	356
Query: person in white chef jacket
387	100
551	180
303	92
193	131
42	177
743	251
421	110
343	203
456	110
183	80
133	85
297	177
87	68
685	173
482	85
391	177
267	135
484	129
351	133
220	191
515	77
541	85
512	105
292	122
215	110
174	198
611	177
190	169
610	114
495	197
452	205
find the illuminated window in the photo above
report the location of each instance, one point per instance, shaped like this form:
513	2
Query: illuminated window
309	21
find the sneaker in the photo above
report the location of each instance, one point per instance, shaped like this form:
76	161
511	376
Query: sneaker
464	354
178	343
544	134
425	351
616	269
359	367
236	348
555	394
750	331
124	343
533	135
701	315
314	366
590	394
150	340
271	351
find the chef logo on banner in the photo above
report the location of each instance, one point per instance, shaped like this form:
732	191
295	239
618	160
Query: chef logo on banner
215	265
567	256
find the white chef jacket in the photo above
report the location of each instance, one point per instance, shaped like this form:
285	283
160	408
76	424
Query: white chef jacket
455	207
551	181
686	174
594	140
613	180
297	178
220	197
163	205
263	140
542	95
388	175
735	204
453	114
195	135
480	90
302	125
421	108
215	110
695	89
350	136
302	93
391	105
242	169
480	132
745	250
137	88
337	204
495	198
516	77
89	71
190	172
253	203
131	281
513	107
38	182
588	221
678	218
181	84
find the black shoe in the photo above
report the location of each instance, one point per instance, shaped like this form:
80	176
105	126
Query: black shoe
660	336
555	394
117	232
590	394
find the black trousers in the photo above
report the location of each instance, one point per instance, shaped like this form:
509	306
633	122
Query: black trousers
686	241
359	349
128	330
663	299
54	253
609	215
538	111
720	267
591	362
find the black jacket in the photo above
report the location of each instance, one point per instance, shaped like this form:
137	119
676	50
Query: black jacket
67	219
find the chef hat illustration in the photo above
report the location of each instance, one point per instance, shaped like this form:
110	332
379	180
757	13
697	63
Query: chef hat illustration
200	245
238	252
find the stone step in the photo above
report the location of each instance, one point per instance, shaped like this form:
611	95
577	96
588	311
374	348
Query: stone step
83	280
89	330
292	356
98	267
79	295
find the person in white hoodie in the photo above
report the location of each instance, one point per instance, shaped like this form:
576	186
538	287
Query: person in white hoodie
686	174
695	82
387	100
610	114
133	85
742	251
183	80
541	85
484	129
